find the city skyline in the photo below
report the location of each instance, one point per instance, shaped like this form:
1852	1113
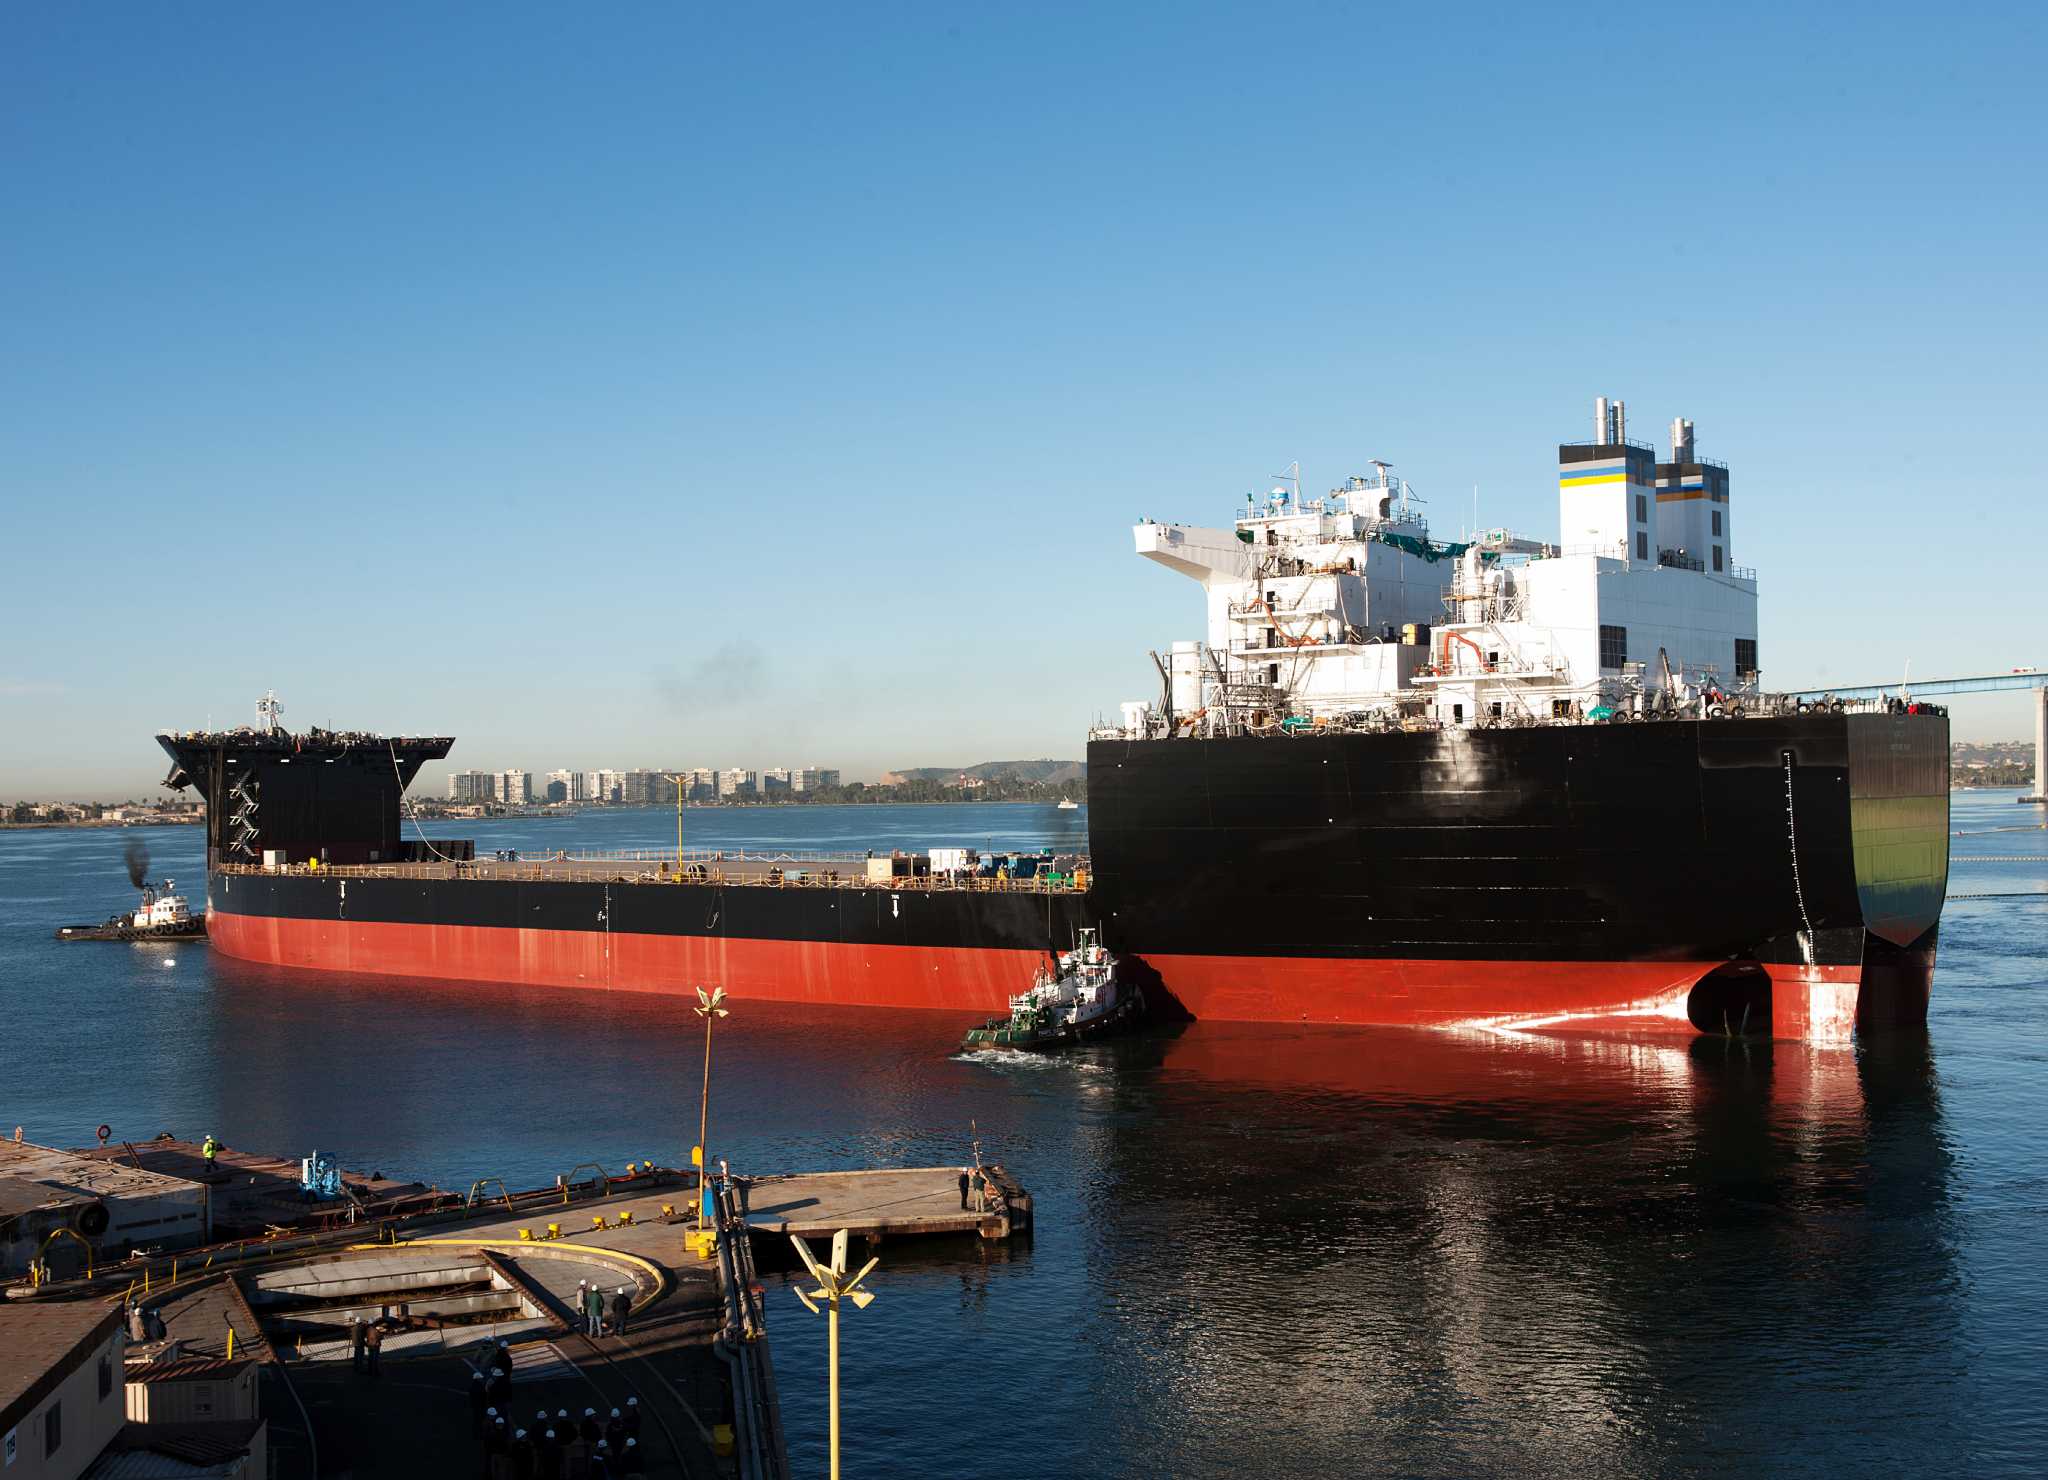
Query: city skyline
638	786
648	418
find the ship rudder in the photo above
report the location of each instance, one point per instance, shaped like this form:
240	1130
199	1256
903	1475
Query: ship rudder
1897	984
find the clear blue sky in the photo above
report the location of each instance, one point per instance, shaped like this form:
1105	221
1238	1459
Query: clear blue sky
642	385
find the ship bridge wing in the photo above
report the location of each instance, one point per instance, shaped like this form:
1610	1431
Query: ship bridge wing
1202	554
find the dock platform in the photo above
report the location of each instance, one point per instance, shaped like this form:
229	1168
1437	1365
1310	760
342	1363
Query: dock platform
250	1194
446	1284
893	1202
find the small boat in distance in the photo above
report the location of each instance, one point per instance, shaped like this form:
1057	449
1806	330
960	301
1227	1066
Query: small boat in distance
1082	999
1068	804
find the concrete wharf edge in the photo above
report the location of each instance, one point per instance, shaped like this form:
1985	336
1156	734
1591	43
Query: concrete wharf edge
887	1202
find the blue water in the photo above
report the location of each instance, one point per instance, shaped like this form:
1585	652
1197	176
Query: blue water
1260	1250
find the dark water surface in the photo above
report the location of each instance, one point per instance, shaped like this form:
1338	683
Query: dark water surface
1260	1250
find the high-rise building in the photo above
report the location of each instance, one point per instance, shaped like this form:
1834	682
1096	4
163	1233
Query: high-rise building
514	788
703	784
471	786
775	782
736	784
812	778
648	789
604	786
571	783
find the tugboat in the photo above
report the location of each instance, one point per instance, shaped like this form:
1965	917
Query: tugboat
1082	999
163	915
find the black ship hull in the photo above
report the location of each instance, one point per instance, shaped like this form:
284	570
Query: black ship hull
1524	876
1782	875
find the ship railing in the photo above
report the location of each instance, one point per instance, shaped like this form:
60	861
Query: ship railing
562	873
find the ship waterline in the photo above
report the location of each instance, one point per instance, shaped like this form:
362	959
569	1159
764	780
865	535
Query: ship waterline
1533	878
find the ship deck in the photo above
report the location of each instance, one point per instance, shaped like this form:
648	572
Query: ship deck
790	870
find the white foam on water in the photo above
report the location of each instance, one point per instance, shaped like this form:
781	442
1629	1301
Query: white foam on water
1001	1058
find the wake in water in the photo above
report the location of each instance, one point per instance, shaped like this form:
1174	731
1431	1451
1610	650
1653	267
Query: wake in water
997	1058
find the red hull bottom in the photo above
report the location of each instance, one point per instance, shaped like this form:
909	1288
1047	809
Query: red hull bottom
1818	1003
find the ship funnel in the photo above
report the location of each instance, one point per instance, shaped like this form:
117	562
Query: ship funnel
1681	440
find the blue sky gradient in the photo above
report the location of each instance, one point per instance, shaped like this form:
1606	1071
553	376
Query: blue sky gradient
644	385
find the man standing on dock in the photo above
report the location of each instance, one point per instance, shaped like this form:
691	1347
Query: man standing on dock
593	1306
963	1189
210	1150
357	1336
373	1345
622	1306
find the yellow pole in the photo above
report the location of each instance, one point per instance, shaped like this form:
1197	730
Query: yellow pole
679	826
832	1323
231	1341
704	1125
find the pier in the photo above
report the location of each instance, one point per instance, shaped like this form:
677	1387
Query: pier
913	1202
447	1277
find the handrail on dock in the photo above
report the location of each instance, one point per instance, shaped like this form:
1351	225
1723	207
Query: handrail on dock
476	1189
743	1339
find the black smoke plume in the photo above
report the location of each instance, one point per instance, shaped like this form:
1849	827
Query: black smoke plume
137	854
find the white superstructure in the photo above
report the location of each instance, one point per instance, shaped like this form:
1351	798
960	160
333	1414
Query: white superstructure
1343	611
161	908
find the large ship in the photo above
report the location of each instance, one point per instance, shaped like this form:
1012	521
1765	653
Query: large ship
1491	783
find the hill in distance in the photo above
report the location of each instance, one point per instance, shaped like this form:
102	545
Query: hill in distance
1053	773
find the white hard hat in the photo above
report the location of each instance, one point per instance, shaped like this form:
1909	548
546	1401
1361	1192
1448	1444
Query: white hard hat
590	1413
519	1434
615	1413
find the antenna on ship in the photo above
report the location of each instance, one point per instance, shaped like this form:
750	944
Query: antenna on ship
268	711
1291	475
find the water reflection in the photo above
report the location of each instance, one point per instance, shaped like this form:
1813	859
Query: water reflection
1423	1253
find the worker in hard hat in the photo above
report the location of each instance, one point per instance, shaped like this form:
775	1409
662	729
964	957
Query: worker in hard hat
210	1150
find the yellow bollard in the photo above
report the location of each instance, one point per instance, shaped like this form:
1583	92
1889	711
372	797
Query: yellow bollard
626	1218
554	1230
597	1221
668	1210
526	1235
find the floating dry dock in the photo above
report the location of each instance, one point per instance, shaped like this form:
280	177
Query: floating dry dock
456	1274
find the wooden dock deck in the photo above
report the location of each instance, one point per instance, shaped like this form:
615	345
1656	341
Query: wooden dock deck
892	1202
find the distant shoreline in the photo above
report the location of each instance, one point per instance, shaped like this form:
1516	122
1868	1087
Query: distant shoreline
100	823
